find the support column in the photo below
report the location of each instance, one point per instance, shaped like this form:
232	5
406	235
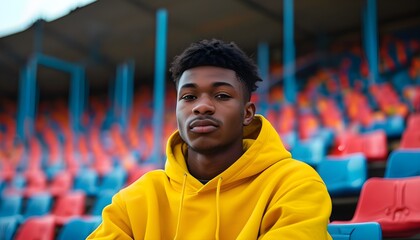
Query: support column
159	86
289	52
371	40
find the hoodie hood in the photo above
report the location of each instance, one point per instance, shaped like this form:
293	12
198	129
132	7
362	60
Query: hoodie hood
260	139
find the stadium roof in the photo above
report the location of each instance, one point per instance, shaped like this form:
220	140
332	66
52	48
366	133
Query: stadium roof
105	33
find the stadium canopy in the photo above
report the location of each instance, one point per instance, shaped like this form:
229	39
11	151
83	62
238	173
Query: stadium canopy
106	33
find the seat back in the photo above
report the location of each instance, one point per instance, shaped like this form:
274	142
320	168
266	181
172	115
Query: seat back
36	182
70	204
86	180
375	146
102	200
10	205
344	175
8	226
61	184
311	151
403	163
38	205
393	203
37	228
113	181
355	231
410	139
78	228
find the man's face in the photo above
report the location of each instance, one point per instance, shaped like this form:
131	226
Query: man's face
211	109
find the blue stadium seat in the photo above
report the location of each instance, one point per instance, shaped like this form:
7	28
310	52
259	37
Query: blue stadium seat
10	205
16	184
403	163
113	181
311	151
344	175
8	226
355	231
86	180
78	228
38	205
102	200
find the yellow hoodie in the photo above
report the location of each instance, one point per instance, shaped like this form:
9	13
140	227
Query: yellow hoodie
264	195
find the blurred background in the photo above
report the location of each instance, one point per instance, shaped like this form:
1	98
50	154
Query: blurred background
87	102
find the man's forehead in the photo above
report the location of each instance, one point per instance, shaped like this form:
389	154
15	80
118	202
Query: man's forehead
207	71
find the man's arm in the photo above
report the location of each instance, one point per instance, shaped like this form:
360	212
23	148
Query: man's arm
302	212
115	223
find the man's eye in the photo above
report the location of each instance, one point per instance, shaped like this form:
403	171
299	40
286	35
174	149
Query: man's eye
188	97
223	96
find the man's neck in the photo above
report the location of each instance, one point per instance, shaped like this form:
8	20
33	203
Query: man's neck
207	166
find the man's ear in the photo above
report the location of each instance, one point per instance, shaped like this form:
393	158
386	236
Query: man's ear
249	113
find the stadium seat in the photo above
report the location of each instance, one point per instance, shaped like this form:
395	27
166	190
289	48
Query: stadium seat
86	180
68	206
372	144
413	122
101	201
311	151
393	203
36	228
344	175
78	228
61	183
37	205
403	163
8	226
10	205
16	185
375	146
355	231
112	181
36	182
410	139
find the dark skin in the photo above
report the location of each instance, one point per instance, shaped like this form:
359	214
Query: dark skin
212	109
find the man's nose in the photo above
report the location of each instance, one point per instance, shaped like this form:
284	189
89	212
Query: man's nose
204	105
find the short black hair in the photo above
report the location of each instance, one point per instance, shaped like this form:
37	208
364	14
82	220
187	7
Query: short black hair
217	53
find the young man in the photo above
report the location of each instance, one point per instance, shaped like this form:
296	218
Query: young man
227	174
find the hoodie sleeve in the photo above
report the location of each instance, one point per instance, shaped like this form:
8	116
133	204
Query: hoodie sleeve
115	223
301	212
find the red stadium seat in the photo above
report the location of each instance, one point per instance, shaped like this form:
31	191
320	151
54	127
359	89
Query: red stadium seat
36	182
373	145
37	228
410	139
393	203
61	184
68	206
413	122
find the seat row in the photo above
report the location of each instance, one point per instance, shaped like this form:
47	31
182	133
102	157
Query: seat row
87	180
346	175
46	228
62	208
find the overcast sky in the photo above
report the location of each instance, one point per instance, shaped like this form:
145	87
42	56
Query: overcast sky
17	15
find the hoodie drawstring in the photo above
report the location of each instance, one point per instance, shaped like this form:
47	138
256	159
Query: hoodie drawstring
184	183
219	183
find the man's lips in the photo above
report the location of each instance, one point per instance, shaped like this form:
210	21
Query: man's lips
203	125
